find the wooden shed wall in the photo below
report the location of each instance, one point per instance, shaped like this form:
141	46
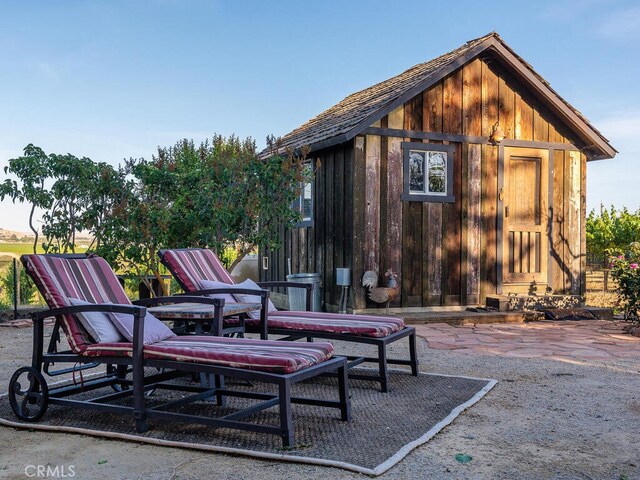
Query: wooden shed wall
445	254
448	254
327	244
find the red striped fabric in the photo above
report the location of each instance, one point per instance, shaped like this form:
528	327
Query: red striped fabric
90	279
191	266
264	355
367	325
370	326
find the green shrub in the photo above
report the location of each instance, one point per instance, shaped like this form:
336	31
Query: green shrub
625	270
610	232
27	288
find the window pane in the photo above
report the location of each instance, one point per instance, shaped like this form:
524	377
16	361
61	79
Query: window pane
437	173
416	171
307	206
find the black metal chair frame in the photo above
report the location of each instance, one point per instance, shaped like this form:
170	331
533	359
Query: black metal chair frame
289	334
380	342
38	395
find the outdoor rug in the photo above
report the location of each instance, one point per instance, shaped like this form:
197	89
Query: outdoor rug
385	427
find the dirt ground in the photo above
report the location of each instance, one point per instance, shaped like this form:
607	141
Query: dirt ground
544	419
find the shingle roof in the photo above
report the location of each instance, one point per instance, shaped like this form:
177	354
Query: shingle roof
359	110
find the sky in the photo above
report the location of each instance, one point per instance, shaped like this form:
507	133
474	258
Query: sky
115	79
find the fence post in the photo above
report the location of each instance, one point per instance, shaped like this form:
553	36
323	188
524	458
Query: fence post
16	286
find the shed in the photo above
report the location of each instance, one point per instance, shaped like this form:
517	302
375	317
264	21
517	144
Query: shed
414	176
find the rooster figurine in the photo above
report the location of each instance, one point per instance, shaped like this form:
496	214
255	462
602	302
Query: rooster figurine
381	294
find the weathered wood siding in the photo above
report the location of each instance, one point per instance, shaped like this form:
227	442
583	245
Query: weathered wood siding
445	254
328	243
449	253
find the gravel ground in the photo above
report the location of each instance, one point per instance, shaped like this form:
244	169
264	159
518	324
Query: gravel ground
544	419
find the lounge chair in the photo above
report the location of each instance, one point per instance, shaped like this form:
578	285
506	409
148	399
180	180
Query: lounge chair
192	266
78	287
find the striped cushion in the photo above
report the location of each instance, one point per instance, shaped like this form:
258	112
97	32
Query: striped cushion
365	325
85	278
264	355
190	265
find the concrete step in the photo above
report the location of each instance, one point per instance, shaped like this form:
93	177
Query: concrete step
470	317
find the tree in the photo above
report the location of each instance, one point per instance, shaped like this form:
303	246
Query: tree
611	231
83	195
33	170
230	196
138	222
220	194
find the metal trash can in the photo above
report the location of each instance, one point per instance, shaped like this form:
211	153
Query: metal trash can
298	296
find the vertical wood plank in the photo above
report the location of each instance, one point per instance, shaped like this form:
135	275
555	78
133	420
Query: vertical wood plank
495	107
321	209
517	117
372	204
302	249
517	252
525	245
553	134
490	100
329	227
432	118
412	258
452	103
557	225
471	98
349	195
413	113
293	254
338	228
339	210
359	212
432	106
540	127
507	108
524	119
433	242
464	217
382	201
474	213
412	247
472	117
393	253
583	224
572	199
489	215
451	212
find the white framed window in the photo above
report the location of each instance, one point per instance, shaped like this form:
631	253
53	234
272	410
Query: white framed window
304	204
428	172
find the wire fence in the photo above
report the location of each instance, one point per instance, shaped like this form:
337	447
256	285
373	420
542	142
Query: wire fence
599	280
19	296
16	290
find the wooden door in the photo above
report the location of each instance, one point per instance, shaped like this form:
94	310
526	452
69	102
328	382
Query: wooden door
525	214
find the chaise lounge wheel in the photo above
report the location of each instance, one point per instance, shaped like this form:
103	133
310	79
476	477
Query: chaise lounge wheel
112	370
28	394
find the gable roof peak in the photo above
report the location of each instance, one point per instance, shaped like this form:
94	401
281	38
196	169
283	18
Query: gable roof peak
359	110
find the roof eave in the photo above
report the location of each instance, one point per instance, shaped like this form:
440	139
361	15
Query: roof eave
526	73
566	114
431	80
